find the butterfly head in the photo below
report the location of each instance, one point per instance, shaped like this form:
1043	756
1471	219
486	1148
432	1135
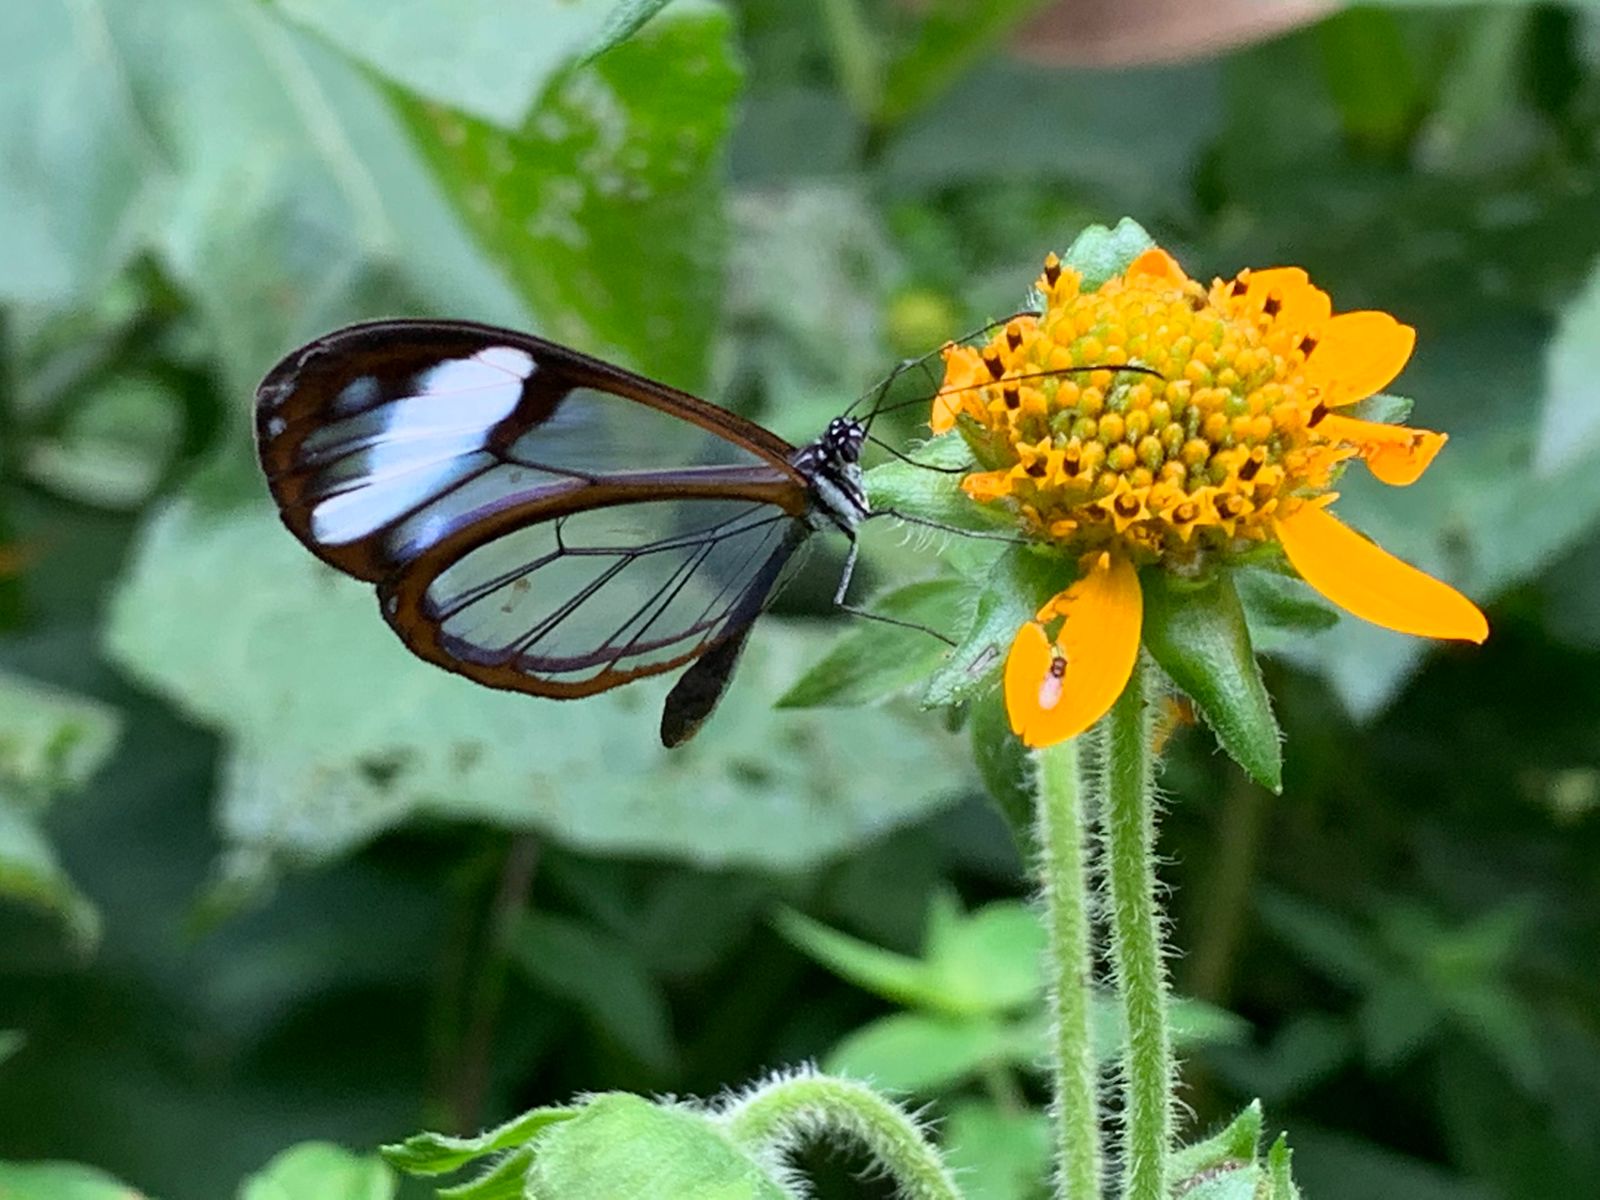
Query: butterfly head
832	467
841	442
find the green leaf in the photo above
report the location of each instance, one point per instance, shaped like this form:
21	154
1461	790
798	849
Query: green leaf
605	208
1331	944
1569	420
320	1171
621	1145
1194	1023
626	19
1371	77
1197	1023
1481	106
60	1181
874	661
1225	1166
490	58
1099	254
440	1153
1382	408
1281	602
1236	1142
78	169
997	1155
994	185
933	495
977	963
1197	632
1505	1025
293	199
857	56
989	960
897	977
1020	582
50	741
227	615
917	1053
684	924
1279	1161
507	1179
1229	1181
1005	767
1397	1018
115	445
1304	1052
949	37
602	976
31	874
1343	1165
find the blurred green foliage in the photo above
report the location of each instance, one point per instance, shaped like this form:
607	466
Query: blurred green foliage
265	880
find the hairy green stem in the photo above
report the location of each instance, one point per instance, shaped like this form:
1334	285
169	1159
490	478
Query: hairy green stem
785	1111
1065	891
1127	815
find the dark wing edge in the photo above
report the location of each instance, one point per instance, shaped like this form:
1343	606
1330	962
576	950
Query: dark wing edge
694	697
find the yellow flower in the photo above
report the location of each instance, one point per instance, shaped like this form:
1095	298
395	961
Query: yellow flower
1230	437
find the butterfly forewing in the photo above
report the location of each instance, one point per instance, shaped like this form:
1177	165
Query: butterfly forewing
381	440
534	518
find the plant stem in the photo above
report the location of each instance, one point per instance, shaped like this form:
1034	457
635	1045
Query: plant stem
476	1053
784	1111
1127	815
1065	889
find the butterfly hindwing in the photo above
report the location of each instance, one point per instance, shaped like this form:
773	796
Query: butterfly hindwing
700	688
590	599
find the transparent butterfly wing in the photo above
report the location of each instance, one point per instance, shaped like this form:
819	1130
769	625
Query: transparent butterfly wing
591	599
534	519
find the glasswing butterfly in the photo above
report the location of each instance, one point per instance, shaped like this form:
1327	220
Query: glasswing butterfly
539	520
542	521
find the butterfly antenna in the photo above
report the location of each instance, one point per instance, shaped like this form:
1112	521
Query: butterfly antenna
906	458
881	389
1052	373
877	392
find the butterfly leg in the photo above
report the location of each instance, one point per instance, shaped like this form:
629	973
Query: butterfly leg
844	586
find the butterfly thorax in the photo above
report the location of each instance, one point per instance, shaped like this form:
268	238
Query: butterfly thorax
832	468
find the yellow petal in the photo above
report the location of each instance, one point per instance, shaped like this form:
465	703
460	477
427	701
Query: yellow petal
1054	692
964	373
1356	354
1395	454
987	485
1158	263
1294	302
1363	578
